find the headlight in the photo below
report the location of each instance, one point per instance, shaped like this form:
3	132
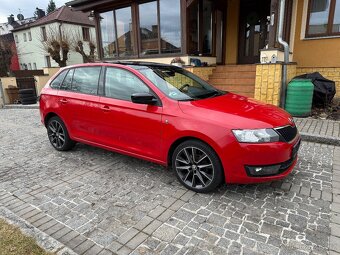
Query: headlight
256	135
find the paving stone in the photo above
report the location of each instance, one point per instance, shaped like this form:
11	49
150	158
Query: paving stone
74	242
137	240
62	232
157	211
166	233
94	250
152	227
124	251
127	236
83	247
146	220
54	229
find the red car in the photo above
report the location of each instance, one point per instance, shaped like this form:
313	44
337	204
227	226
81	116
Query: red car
169	116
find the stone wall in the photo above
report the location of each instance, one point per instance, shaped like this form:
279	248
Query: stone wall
268	83
202	72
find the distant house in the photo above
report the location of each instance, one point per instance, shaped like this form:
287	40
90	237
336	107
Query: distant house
63	22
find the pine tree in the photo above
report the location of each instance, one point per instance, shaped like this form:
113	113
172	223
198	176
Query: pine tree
51	7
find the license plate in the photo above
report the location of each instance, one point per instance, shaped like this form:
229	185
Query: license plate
296	149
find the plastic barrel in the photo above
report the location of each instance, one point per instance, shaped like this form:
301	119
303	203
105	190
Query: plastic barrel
299	97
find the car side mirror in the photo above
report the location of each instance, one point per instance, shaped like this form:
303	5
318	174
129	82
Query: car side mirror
143	98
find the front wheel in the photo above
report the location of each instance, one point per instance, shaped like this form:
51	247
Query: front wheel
197	166
58	135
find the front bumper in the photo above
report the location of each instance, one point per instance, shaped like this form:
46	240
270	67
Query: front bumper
276	161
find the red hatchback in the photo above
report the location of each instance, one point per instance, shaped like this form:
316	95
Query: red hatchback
168	115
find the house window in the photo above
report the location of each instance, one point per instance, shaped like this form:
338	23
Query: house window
44	34
48	61
86	33
148	28
170	26
323	18
25	37
29	66
35	66
16	39
29	36
125	35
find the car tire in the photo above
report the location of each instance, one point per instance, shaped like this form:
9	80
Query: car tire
28	98
28	102
58	134
26	91
197	166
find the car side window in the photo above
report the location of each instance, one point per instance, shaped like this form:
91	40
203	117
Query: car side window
86	79
67	83
55	84
121	84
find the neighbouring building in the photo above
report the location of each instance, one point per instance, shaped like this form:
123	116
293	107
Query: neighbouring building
238	36
62	23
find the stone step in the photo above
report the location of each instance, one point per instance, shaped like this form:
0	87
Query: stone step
232	81
233	75
236	68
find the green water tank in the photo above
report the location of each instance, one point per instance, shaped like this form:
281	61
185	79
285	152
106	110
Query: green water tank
299	97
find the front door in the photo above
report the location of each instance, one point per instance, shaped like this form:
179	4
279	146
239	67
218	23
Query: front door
126	126
253	30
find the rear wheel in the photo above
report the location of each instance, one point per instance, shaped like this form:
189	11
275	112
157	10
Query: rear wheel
197	166
58	135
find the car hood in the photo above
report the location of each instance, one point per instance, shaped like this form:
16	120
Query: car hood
237	112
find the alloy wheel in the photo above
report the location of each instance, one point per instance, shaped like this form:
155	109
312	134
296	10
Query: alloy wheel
194	167
56	134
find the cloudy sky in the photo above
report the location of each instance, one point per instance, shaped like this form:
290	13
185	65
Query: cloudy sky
27	7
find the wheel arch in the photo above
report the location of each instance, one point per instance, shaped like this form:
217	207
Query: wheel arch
49	116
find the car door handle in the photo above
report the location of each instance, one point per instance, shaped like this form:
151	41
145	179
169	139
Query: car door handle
106	108
63	101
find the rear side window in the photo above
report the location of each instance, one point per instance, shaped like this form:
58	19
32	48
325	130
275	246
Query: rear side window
67	82
121	84
86	79
55	84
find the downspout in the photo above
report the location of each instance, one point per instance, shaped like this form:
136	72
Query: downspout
286	54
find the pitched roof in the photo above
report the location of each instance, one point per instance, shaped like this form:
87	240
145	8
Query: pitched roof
62	14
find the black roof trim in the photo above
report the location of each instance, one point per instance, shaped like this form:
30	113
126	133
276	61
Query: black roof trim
139	63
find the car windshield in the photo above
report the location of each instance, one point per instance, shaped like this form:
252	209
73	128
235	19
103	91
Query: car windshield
178	83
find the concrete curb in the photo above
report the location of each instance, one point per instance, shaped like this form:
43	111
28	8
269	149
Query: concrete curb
45	241
320	139
19	106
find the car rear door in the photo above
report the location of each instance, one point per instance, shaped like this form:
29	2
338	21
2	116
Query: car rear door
79	101
126	126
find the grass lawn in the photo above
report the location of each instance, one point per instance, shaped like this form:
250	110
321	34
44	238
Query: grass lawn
13	242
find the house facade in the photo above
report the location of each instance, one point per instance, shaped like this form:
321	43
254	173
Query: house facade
237	39
31	38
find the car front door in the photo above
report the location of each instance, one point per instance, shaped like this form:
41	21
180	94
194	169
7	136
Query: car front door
127	126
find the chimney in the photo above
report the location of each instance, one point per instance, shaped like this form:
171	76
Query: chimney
40	13
10	19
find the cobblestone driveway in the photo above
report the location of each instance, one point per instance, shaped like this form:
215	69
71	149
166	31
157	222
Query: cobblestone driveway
94	201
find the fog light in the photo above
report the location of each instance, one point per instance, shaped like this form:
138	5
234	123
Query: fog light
263	170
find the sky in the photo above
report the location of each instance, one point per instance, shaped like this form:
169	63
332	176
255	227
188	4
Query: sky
27	7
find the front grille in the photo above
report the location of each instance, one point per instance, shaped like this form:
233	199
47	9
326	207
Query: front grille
288	133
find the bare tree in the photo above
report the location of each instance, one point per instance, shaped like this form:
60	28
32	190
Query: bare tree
7	50
79	46
57	44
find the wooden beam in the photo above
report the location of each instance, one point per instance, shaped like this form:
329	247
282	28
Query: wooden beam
190	2
274	12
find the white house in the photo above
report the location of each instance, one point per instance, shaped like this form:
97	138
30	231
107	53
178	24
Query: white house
30	38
